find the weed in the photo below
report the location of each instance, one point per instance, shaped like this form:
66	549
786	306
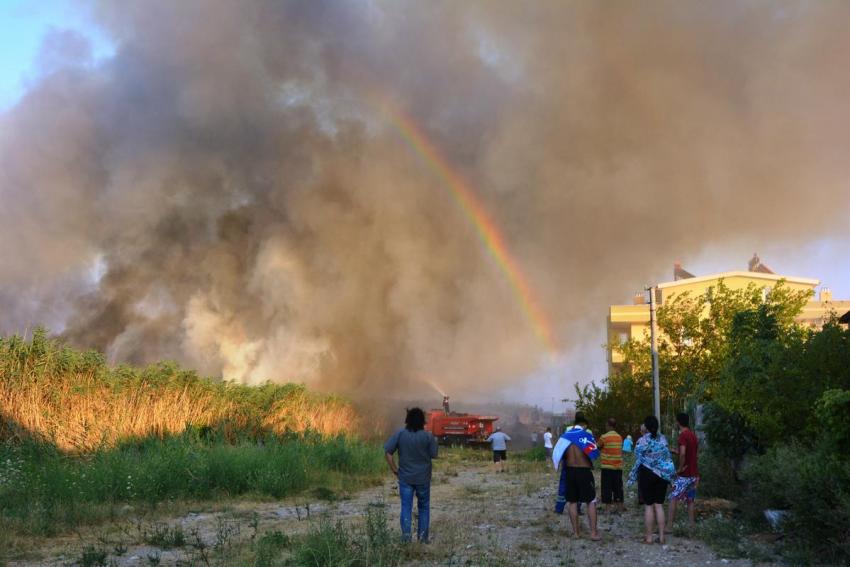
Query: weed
154	558
324	493
528	546
254	524
93	556
201	552
224	533
165	537
381	545
119	548
723	535
269	547
328	544
535	454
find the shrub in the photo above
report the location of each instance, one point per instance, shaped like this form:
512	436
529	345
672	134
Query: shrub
717	476
813	485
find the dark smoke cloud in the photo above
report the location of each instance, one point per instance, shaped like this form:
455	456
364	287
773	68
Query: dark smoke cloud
224	191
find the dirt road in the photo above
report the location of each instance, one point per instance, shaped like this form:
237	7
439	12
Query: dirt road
478	518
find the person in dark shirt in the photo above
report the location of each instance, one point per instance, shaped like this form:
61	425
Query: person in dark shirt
685	486
416	447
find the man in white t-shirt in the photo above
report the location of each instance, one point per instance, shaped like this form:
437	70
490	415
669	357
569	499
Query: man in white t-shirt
547	444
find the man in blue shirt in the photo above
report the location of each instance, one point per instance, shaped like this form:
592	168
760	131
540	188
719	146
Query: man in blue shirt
416	447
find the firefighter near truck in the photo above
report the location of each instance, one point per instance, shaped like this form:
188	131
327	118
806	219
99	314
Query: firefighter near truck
453	428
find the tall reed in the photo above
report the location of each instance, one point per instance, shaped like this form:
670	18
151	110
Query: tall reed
75	401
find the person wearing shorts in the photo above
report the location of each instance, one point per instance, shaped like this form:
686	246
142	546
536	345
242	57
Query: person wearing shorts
611	462
575	451
652	486
499	443
582	487
653	470
685	485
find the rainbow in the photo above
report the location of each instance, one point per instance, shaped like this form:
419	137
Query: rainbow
474	209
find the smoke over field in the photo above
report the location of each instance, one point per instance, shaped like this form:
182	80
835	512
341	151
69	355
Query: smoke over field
225	190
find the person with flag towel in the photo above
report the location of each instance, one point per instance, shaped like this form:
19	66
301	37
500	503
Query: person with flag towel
575	451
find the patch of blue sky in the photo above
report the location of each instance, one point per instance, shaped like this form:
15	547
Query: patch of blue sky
23	26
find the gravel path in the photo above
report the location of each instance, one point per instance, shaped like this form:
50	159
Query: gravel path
478	518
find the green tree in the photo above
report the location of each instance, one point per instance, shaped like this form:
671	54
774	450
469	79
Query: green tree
695	348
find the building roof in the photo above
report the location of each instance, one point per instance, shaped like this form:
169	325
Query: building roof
741	274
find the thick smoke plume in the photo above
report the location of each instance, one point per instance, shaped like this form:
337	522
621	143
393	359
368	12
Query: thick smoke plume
225	191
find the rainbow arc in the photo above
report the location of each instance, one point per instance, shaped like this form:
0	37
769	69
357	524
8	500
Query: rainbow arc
487	230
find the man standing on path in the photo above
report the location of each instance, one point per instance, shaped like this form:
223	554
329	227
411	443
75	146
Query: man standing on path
500	448
561	500
547	443
577	448
611	462
685	486
416	447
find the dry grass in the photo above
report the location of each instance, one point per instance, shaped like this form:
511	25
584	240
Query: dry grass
74	401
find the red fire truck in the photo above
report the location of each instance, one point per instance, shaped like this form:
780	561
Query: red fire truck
452	428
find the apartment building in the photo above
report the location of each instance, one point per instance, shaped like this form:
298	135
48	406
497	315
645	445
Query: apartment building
632	321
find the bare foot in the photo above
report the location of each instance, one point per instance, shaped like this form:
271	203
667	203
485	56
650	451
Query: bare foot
596	537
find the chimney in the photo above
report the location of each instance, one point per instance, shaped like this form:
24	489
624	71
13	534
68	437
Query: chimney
825	294
753	263
640	298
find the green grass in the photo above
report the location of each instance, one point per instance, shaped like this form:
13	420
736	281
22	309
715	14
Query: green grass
333	543
535	454
43	491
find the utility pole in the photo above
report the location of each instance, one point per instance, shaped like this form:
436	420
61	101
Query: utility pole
653	344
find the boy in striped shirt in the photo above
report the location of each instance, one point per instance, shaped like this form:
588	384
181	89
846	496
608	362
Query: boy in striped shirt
611	460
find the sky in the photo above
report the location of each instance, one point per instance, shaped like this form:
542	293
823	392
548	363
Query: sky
24	24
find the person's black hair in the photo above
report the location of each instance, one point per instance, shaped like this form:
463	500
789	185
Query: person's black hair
612	423
415	419
683	419
651	424
580	419
548	429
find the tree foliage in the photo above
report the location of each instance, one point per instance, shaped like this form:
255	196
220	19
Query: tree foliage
775	397
739	349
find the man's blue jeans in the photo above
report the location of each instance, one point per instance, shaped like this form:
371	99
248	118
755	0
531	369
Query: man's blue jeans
423	505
